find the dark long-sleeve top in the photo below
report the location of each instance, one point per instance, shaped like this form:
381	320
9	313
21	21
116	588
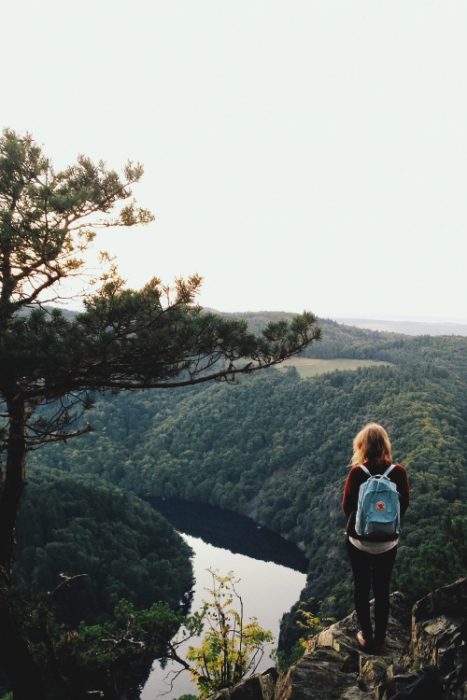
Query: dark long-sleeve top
355	479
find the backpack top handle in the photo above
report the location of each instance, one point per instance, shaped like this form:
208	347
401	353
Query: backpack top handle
386	473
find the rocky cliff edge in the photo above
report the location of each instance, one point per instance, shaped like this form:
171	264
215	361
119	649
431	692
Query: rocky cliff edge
426	647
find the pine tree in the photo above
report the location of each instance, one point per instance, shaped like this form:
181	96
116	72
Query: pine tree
125	339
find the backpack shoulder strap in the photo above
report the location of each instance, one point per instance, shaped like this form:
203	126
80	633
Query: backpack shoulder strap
389	470
367	471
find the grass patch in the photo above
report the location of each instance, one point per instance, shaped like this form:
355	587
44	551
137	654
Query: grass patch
308	367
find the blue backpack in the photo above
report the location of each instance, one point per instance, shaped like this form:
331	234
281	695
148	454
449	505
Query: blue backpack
378	509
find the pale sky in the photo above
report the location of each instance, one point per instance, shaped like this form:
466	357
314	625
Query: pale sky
298	154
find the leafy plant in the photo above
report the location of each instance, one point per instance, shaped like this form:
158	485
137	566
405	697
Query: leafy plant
231	648
109	660
311	624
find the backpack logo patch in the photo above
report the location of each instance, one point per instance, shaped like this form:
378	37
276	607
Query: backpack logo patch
380	505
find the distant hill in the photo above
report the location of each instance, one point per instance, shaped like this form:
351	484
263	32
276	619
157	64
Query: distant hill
407	327
258	319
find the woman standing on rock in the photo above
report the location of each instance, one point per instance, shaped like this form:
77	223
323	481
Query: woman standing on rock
372	551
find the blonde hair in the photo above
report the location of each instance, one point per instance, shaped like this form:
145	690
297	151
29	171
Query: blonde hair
372	444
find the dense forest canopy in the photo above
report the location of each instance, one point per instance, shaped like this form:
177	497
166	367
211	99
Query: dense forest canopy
276	447
101	584
74	524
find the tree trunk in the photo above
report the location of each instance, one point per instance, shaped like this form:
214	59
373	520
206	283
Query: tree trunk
14	483
15	657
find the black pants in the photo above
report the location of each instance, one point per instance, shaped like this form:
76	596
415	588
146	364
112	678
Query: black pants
372	570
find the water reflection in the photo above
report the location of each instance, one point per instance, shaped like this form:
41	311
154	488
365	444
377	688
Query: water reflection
229	530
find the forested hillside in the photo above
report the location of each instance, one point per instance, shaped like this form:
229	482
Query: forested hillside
276	447
101	581
74	525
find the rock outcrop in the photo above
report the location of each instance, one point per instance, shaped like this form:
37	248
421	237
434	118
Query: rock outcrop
426	655
439	636
260	687
335	669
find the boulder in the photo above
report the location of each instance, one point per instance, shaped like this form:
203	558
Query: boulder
259	687
439	636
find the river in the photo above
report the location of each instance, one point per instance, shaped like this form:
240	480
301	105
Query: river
270	569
